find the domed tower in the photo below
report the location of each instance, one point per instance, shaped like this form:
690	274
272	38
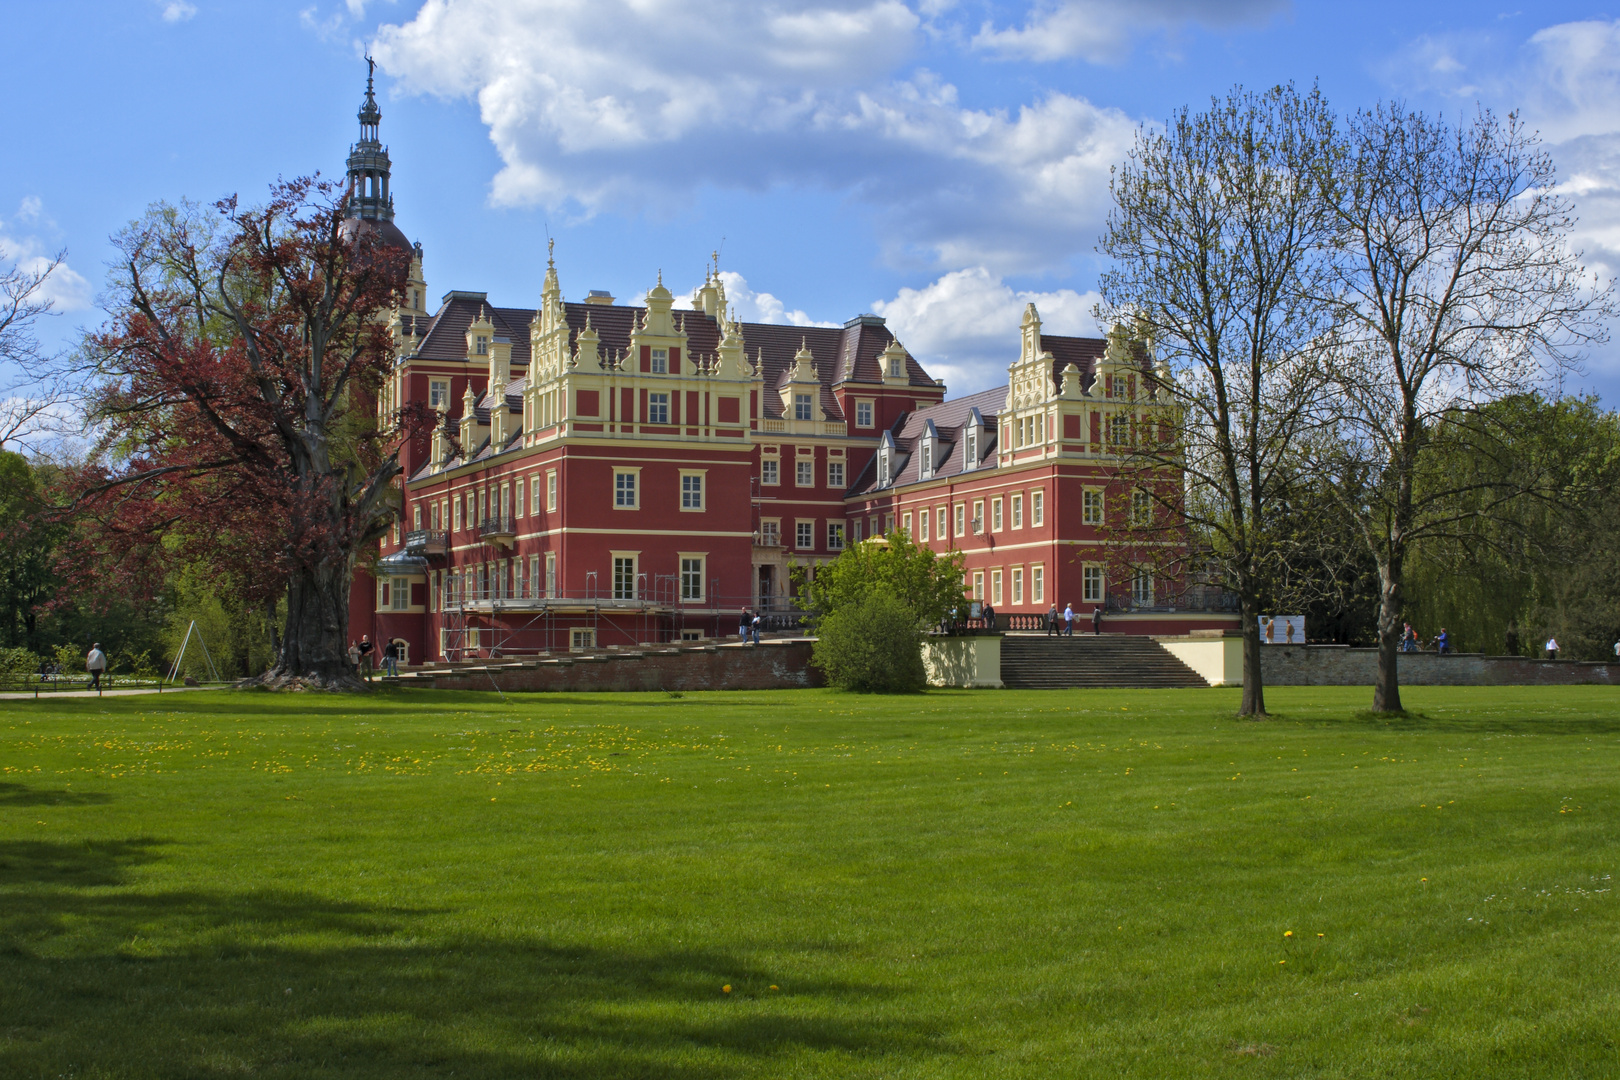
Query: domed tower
370	201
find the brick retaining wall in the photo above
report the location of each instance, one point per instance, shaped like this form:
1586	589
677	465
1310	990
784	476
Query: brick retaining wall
1329	665
773	665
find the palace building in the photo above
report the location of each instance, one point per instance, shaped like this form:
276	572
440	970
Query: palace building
604	473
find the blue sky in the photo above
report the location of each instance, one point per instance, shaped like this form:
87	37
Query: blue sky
938	161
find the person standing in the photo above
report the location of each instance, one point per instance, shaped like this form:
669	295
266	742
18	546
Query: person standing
754	625
745	625
1052	621
391	658
1552	648
354	657
1443	642
989	618
1068	620
1096	621
95	663
367	662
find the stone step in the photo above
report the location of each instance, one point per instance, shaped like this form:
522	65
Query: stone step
1091	661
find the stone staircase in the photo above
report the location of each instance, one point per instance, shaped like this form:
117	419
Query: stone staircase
1033	661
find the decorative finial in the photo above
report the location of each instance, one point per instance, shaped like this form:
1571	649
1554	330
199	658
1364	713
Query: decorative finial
660	278
551	245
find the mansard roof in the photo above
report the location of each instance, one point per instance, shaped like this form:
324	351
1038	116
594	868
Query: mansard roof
843	354
948	417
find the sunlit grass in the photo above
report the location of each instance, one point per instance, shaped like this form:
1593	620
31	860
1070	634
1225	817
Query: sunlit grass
1013	884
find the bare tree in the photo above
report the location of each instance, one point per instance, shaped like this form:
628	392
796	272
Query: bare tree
33	389
1216	235
1454	285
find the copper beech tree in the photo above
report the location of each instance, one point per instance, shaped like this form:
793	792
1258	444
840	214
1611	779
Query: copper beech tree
239	371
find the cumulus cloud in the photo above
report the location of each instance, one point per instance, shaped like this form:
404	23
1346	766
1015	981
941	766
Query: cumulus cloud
1103	31
964	326
761	307
22	247
683	95
175	11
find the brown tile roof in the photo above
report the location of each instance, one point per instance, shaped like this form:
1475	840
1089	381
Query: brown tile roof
948	418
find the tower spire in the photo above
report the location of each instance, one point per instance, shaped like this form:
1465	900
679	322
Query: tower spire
368	160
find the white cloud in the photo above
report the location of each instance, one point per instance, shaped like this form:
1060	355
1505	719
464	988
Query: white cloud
964	326
761	307
1102	31
175	11
688	94
66	288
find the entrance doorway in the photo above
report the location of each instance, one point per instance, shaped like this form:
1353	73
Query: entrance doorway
767	587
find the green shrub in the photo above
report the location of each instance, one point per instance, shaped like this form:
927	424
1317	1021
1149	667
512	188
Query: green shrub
871	646
18	668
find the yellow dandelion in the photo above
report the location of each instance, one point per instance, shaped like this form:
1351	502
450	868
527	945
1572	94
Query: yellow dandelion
775	987
1288	933
726	989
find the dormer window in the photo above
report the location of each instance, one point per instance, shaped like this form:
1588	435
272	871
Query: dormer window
970	456
897	367
480	345
660	361
925	464
801	407
883	466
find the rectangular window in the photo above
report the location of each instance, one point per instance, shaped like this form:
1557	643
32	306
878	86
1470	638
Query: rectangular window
480	345
402	594
801	407
905	522
624	490
1119	429
863	414
657	407
1017	586
770	533
767	471
995	587
535	592
416	516
855	530
835	536
804	473
888	524
995	514
551	573
551	489
978	585
978	515
1018	511
1142	589
580	638
1037	584
691	491
1141	509
1037	508
517	499
458	512
835	475
624	577
660	365
944	529
1091	507
1092	579
506	502
691	577
804	535
438	393
922	525
961	519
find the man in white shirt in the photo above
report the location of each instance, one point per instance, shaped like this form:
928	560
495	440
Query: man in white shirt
95	664
1552	648
1068	620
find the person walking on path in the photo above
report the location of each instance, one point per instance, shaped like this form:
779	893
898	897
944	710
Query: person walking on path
391	659
1442	643
95	663
1052	621
754	625
745	625
1096	621
367	662
1552	648
1068	620
989	617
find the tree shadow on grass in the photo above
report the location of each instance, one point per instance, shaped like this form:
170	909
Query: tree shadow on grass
23	795
1416	721
98	980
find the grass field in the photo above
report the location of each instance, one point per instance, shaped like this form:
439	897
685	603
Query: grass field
990	884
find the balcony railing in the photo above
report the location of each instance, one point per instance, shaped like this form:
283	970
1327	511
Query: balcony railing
496	528
427	542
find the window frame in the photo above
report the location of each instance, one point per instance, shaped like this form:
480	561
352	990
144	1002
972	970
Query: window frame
551	489
658	407
1093	506
804	407
770	471
865	413
682	559
995	513
435	398
1016	506
804	534
615	558
694	478
835	536
659	361
1093	583
1037	583
1018	586
1037	508
835	482
804	472
633	472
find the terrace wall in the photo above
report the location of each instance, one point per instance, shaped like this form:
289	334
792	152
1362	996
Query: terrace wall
772	665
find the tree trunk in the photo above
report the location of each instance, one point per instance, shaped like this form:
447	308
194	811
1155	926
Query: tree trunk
1254	683
314	654
1391	623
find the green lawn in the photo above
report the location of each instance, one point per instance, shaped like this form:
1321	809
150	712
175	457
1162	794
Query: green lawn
965	884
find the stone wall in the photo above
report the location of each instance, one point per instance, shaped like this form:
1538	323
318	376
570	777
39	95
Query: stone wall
772	665
1219	659
963	661
1331	665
